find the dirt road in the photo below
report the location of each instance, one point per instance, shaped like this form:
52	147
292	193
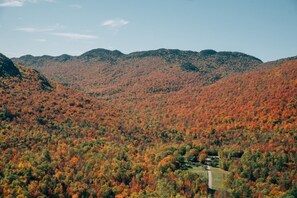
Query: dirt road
209	177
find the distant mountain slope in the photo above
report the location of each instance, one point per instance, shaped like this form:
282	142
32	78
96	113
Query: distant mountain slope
148	76
141	84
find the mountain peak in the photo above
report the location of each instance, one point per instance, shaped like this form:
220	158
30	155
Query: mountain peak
102	54
207	52
238	54
162	52
7	68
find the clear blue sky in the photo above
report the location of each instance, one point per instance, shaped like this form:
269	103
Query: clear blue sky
266	29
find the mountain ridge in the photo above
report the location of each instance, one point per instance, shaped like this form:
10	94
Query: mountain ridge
95	53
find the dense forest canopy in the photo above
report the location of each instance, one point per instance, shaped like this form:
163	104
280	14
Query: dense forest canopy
106	124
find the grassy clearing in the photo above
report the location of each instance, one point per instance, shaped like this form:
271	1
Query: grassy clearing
200	170
218	176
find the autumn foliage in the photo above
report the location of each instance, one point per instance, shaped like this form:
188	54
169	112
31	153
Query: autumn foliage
148	117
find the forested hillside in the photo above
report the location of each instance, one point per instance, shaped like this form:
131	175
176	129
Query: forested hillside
144	122
59	142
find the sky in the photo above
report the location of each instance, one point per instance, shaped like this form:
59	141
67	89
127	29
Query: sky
266	29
